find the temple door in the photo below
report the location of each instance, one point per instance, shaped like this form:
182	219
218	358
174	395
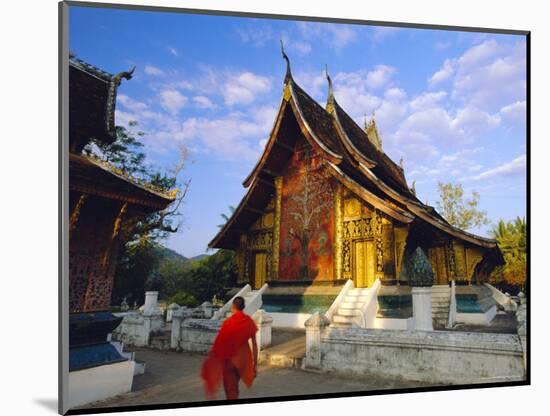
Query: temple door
363	263
260	269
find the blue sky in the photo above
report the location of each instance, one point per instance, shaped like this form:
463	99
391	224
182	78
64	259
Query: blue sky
452	104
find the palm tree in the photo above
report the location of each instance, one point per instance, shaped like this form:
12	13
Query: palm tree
226	217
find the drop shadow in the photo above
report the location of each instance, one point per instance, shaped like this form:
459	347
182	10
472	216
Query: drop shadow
48	404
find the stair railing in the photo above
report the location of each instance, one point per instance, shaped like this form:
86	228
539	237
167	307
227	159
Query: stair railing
369	308
220	313
341	296
452	307
252	305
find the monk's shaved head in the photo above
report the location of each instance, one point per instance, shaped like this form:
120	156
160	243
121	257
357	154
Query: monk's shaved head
239	303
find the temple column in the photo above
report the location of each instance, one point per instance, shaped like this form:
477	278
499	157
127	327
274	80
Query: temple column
276	229
76	213
338	220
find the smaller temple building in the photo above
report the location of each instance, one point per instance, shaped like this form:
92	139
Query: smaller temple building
325	204
101	198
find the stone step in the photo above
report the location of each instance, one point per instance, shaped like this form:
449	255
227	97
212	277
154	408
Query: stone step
281	360
440	295
361	299
348	312
340	325
357	292
342	319
351	305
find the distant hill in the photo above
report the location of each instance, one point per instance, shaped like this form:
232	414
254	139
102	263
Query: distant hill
168	254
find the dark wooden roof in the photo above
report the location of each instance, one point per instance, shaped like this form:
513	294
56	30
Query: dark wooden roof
351	157
92	99
93	177
384	167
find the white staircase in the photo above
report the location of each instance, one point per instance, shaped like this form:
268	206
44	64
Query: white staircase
252	301
441	297
350	308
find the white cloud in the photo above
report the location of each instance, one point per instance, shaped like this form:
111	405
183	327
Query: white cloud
442	46
336	35
302	48
130	104
173	50
379	33
203	102
515	112
380	76
153	70
427	100
172	100
518	166
256	35
244	88
443	74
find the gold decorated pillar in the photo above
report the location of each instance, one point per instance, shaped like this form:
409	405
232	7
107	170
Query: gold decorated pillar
338	234
276	228
379	245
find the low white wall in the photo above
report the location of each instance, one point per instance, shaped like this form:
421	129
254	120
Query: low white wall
98	383
438	357
394	323
476	318
198	335
289	320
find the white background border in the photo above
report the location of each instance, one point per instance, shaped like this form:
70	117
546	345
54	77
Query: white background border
28	163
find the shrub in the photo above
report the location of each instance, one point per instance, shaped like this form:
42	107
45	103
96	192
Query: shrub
183	299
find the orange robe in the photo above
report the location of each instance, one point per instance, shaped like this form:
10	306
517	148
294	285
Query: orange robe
230	351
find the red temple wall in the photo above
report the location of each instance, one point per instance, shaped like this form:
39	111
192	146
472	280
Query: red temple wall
92	256
307	219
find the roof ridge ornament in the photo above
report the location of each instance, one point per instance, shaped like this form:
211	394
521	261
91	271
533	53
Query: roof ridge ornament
372	132
330	98
288	75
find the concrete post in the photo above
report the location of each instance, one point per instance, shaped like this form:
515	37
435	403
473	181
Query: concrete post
151	300
521	316
422	308
207	309
263	322
314	326
170	311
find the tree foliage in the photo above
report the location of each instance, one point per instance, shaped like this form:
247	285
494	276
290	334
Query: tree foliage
138	260
457	210
511	237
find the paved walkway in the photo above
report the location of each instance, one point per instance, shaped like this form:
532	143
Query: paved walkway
172	377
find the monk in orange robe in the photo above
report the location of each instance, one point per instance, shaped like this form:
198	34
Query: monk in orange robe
230	358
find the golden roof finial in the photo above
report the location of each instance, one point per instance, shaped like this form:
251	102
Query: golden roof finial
330	99
401	162
288	74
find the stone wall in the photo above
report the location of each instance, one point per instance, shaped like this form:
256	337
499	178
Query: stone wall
437	357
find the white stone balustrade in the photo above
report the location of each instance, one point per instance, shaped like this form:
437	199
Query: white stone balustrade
314	326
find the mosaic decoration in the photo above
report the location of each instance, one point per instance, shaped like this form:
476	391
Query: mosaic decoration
307	218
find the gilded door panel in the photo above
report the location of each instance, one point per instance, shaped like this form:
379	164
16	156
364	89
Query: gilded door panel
364	263
260	269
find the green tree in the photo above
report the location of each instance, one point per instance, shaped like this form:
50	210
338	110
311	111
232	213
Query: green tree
212	274
458	211
138	256
511	237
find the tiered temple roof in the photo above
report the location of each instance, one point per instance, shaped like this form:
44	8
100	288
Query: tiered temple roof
352	157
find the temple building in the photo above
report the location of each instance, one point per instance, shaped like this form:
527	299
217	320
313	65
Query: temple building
101	198
325	204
